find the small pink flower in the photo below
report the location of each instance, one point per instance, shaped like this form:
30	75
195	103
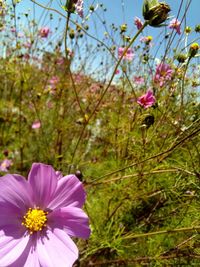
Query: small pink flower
54	80
5	165
147	100
79	7
163	74
138	80
117	71
138	23
44	32
60	60
27	45
36	124
176	25
128	55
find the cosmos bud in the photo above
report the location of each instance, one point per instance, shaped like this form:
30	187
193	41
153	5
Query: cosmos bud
193	50
155	12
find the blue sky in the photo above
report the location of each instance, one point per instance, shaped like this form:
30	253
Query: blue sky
118	12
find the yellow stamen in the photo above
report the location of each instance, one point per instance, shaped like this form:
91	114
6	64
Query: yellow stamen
35	220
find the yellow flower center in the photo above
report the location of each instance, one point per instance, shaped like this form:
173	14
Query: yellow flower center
35	220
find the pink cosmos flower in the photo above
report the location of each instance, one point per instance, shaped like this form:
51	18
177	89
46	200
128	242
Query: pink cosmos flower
36	124
38	216
54	80
138	80
147	100
129	54
44	32
175	24
79	7
5	165
138	23
163	74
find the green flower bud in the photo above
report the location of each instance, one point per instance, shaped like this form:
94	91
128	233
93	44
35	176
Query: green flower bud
197	28
181	58
123	28
72	34
193	50
155	12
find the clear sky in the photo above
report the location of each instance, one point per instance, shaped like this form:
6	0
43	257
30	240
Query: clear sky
117	12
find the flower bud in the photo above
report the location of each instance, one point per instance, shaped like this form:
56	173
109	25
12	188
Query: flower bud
193	50
155	12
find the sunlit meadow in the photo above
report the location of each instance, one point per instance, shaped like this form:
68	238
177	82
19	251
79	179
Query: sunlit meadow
113	107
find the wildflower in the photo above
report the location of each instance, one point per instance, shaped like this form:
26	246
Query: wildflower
138	80
79	7
155	12
44	32
147	100
163	74
146	39
176	25
5	165
36	124
128	55
138	23
38	216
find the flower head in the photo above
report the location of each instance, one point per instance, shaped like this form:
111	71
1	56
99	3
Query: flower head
38	216
44	32
138	23
36	124
176	25
147	100
5	165
138	80
163	73
128	55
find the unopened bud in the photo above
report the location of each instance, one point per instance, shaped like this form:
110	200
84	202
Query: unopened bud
193	50
155	12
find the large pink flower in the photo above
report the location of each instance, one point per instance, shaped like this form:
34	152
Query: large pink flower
38	216
147	100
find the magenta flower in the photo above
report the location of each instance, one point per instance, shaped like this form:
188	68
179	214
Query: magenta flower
38	216
129	54
5	165
138	23
176	25
163	74
44	32
147	100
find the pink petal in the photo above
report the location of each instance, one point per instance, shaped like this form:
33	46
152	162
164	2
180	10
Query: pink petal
29	257
11	248
56	249
69	191
43	181
15	190
72	219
